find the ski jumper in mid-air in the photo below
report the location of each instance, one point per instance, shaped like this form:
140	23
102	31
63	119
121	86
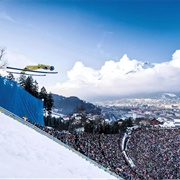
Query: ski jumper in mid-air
39	66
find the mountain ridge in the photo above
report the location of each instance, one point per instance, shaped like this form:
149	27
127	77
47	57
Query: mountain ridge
72	104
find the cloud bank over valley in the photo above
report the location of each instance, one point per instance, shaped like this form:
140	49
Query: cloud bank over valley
122	78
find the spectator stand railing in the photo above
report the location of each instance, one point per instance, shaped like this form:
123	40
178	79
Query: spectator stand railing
17	118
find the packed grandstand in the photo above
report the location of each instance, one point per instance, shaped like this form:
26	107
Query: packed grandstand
146	153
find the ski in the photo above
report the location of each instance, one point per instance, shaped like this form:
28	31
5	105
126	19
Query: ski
28	74
20	69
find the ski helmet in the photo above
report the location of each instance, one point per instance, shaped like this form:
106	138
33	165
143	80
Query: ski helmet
51	68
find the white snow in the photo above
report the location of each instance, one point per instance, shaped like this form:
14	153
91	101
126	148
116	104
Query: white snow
26	154
169	94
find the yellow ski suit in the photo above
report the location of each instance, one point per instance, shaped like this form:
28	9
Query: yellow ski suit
39	66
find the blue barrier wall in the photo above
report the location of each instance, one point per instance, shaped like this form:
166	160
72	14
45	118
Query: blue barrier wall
18	101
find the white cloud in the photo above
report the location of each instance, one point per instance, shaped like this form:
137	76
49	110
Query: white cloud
176	59
120	78
114	78
82	74
5	16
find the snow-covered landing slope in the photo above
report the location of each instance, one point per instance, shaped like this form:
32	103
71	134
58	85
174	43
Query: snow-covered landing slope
25	153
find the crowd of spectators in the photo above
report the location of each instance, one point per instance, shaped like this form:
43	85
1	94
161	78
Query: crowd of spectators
102	148
155	152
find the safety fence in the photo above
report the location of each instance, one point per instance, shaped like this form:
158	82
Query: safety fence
15	117
17	100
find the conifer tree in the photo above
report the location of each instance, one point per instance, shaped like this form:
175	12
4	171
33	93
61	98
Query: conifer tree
22	81
29	85
49	104
44	96
35	89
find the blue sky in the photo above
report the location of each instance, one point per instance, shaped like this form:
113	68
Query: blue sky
61	33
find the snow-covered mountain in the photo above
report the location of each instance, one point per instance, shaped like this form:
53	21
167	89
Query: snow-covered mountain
27	154
169	96
122	68
140	66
